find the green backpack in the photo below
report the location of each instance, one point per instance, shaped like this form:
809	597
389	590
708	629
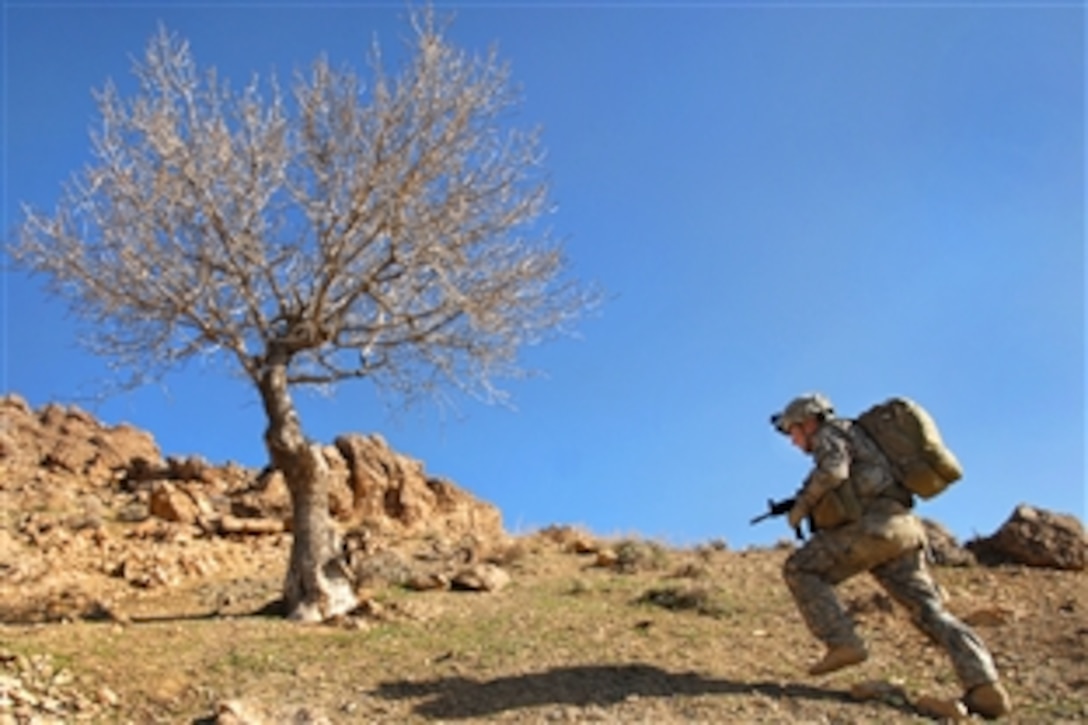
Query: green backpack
908	436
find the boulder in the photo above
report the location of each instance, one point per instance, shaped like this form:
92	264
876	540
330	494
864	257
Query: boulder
341	494
1035	537
481	578
121	446
228	525
178	504
427	582
386	485
944	549
190	468
70	440
8	446
383	484
266	497
235	712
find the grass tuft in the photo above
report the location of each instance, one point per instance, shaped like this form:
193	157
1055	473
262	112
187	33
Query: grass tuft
701	600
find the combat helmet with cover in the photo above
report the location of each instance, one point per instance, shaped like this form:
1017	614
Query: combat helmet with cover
811	405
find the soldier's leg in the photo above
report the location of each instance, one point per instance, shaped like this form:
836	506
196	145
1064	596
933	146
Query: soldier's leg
908	581
811	573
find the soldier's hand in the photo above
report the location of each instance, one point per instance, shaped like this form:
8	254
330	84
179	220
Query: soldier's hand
797	514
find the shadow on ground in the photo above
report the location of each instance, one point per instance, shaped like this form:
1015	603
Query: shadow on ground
57	610
450	698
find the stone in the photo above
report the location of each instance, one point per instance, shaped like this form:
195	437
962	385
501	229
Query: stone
108	697
390	486
69	440
944	549
266	497
170	502
233	712
1035	537
249	526
481	578
8	446
190	468
124	445
427	582
102	501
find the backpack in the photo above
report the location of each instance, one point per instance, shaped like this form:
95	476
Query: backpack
908	436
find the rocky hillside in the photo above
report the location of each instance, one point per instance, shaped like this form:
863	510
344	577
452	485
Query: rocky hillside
81	499
103	538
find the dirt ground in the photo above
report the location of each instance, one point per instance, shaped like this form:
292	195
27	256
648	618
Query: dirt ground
699	635
111	614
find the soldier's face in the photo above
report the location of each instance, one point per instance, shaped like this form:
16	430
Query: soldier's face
801	434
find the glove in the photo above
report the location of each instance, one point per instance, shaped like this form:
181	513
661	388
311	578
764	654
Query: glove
798	513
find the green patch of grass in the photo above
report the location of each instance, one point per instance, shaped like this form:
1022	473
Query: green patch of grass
701	600
245	663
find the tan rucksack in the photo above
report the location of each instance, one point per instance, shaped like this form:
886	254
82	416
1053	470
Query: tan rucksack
908	436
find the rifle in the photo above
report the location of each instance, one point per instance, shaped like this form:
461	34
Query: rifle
779	508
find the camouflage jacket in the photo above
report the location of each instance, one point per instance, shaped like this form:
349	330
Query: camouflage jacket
844	454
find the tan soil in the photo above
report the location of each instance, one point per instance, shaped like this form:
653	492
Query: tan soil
105	618
566	641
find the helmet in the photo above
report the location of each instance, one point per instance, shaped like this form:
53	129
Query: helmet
813	405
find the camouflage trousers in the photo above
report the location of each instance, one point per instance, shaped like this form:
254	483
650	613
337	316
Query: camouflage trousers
892	549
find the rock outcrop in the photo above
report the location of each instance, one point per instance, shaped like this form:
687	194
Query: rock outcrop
386	486
1035	537
372	484
69	440
89	511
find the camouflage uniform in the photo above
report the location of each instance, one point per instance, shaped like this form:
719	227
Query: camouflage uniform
887	541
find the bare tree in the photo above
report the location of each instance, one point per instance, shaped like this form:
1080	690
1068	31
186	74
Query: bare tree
389	231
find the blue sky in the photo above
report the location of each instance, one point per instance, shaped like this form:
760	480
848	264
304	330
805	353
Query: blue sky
866	199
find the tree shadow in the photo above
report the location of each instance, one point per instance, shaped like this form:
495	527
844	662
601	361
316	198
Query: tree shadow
47	611
454	698
274	609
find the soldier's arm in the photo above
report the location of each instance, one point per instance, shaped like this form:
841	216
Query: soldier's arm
832	456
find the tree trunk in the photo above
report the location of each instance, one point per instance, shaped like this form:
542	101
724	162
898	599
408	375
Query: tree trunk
317	586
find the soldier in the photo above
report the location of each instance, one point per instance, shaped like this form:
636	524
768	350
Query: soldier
861	521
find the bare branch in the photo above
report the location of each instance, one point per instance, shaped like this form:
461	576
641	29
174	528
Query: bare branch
390	230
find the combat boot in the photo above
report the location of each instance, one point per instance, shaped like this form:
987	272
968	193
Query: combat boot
990	700
838	657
